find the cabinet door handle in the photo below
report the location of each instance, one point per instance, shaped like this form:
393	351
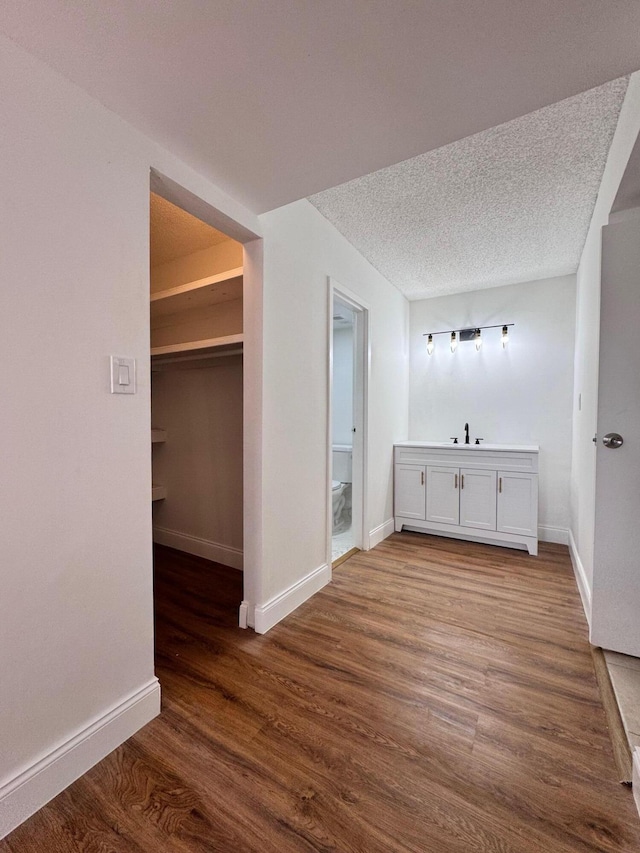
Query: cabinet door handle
500	485
422	478
455	485
462	481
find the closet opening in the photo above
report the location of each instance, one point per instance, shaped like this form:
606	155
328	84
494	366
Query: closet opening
197	382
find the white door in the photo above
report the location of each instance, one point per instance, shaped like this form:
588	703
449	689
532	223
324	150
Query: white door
409	491
478	495
615	605
517	503
443	503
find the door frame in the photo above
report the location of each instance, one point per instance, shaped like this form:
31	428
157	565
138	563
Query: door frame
361	376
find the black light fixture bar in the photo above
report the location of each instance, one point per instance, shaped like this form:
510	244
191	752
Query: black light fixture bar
469	334
472	334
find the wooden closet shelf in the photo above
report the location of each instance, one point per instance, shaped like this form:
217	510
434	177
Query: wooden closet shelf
158	493
212	290
158	435
213	345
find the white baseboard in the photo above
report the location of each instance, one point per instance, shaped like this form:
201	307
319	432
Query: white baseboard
581	577
269	614
559	535
199	547
33	787
635	778
243	614
380	532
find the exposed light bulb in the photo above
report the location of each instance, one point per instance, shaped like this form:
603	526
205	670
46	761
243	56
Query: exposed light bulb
478	340
505	336
430	344
454	342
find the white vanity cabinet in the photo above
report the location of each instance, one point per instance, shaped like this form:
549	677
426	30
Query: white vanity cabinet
517	503
478	506
461	496
483	493
442	495
410	490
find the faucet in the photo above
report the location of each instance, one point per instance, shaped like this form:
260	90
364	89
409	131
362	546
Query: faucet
466	433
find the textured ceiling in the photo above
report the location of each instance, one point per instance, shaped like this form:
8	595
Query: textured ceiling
277	99
175	233
509	204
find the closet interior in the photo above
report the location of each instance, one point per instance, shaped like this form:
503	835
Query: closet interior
196	385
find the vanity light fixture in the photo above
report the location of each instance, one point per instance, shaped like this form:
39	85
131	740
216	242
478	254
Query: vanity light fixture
472	334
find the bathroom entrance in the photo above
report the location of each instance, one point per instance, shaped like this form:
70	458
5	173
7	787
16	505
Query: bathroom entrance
348	348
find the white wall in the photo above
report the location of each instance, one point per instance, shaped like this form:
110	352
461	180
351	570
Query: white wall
518	395
301	250
201	461
342	389
585	402
76	620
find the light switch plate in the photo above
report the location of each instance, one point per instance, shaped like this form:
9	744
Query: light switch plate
123	375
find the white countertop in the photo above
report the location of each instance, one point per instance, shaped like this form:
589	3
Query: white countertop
449	445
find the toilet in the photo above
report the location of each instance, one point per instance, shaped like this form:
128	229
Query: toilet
339	500
341	487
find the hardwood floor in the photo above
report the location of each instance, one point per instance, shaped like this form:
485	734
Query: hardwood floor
437	696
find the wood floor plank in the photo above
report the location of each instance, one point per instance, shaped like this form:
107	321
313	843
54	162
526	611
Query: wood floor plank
436	697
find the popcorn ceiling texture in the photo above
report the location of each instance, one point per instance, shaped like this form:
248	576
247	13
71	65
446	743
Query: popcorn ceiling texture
509	204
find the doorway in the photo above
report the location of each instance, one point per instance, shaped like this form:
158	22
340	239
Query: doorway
347	423
206	301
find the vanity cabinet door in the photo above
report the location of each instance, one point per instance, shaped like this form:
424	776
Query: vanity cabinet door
443	502
409	491
478	498
518	503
